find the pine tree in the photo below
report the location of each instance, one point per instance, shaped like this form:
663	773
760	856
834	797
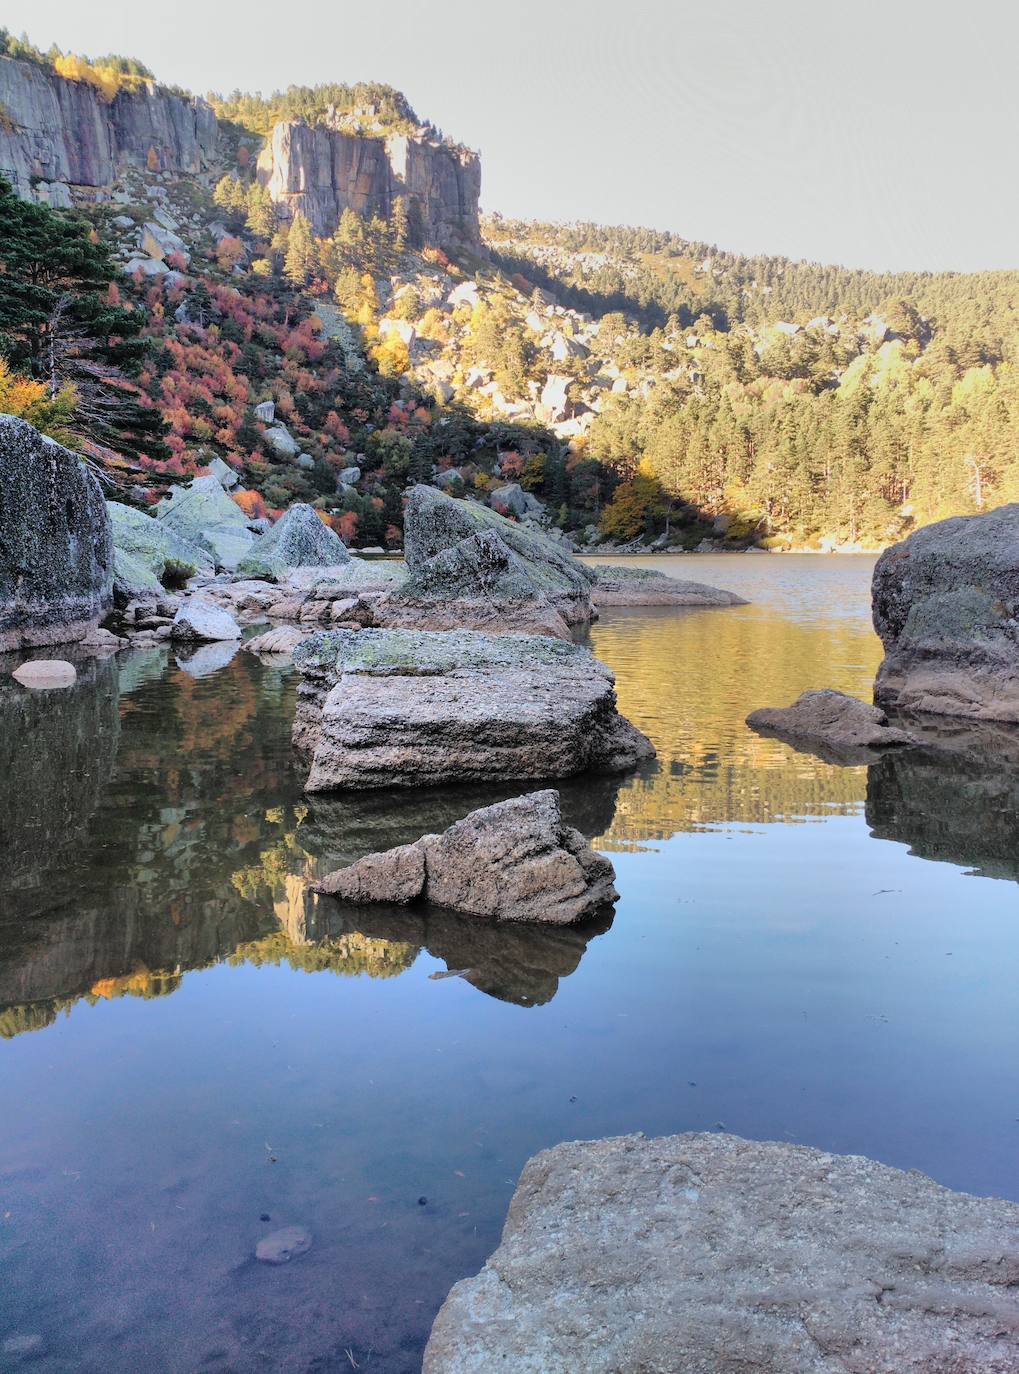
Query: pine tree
300	260
261	212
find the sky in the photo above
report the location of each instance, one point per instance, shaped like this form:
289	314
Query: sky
873	133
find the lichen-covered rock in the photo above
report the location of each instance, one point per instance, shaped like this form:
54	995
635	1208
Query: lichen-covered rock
435	523
298	539
514	861
403	708
56	551
841	728
946	605
203	514
706	1253
617	586
147	550
202	619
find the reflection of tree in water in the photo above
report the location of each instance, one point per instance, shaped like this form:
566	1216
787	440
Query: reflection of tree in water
689	679
956	799
347	955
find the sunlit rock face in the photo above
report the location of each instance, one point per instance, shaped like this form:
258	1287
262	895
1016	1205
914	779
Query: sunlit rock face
946	605
319	172
64	131
56	549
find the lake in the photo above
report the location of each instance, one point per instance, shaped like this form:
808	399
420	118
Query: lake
196	1051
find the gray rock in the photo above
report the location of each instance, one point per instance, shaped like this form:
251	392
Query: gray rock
305	461
349	476
281	442
56	550
647	587
509	500
514	861
299	539
403	708
147	267
840	728
281	639
160	243
946	605
202	619
265	410
706	1253
283	1245
202	513
435	522
223	473
146	550
45	674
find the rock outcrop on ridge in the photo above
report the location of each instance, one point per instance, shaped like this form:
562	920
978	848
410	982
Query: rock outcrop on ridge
405	708
63	131
705	1253
513	861
840	728
56	550
946	605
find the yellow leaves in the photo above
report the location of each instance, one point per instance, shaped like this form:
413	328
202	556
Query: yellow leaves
392	356
107	80
30	400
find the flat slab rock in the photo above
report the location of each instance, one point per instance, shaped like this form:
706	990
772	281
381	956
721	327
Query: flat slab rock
406	708
708	1254
839	727
514	861
946	605
618	586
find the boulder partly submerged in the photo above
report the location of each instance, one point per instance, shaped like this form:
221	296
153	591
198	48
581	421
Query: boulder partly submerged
56	551
407	708
616	586
705	1252
946	605
514	861
298	539
840	728
200	619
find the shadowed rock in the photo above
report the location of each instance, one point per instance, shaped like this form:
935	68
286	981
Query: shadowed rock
400	708
838	728
56	553
514	861
945	604
705	1253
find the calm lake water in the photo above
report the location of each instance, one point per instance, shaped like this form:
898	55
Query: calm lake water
195	1052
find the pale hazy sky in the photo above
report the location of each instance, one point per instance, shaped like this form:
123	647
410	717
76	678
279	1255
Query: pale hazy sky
877	133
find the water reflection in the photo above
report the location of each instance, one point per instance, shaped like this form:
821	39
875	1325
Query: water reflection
955	799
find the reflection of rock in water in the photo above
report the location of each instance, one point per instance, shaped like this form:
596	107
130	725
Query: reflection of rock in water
956	799
341	828
57	752
514	963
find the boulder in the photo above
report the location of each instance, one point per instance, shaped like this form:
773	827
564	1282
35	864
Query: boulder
946	605
202	513
514	861
56	549
281	442
435	522
146	550
404	708
840	728
281	1246
648	587
299	539
706	1253
223	473
281	639
44	674
159	243
266	412
349	476
201	619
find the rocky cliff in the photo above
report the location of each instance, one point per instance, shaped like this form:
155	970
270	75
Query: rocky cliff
320	171
64	131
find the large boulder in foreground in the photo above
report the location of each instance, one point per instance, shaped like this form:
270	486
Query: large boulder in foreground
945	603
514	861
706	1253
56	551
435	523
840	728
298	539
616	586
407	708
203	514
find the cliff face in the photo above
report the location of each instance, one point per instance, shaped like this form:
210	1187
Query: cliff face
320	172
63	130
